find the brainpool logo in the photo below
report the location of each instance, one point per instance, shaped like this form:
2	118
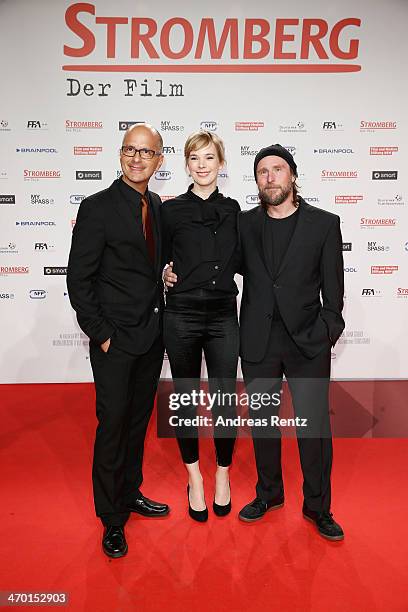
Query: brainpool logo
209	126
334	151
163	175
36	150
312	199
36	223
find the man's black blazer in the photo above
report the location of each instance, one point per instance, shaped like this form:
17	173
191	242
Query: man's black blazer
112	284
308	286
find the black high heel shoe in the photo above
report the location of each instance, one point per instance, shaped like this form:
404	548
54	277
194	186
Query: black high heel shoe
198	515
222	510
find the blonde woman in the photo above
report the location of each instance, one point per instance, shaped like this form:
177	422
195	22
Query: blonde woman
200	238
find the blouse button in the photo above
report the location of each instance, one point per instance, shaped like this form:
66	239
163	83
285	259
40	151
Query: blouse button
213	282
215	267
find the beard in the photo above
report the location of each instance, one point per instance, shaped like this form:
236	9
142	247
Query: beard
276	195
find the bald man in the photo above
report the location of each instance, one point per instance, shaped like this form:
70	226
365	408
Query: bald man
114	285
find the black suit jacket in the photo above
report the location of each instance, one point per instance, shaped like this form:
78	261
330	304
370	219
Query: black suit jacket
308	286
113	286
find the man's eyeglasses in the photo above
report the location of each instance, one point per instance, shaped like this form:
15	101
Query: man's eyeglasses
130	151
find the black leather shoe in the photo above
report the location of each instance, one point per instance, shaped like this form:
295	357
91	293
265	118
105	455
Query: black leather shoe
147	507
114	542
257	508
222	510
326	525
198	515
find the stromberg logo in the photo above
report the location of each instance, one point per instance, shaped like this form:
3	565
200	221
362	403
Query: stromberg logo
371	126
42	174
402	292
35	223
163	175
4	126
338	174
35	198
35	150
384	269
298	127
330	126
87	150
248	126
383	150
364	222
52	270
5	270
6	296
37	294
7	199
76	199
347	246
252	199
209	126
247	150
384	175
350	269
370	292
37	125
167	126
336	151
125	125
75	126
374	246
347	199
88	175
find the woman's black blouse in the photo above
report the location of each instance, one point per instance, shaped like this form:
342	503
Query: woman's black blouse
200	237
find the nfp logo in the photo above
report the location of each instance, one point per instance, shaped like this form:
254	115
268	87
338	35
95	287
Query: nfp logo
209	126
252	199
163	175
76	199
37	294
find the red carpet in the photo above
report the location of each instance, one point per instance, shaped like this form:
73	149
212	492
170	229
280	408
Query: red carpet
50	539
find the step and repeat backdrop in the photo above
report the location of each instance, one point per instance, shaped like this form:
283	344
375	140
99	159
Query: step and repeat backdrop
326	81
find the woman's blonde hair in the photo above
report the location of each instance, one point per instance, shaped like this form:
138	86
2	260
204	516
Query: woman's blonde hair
201	139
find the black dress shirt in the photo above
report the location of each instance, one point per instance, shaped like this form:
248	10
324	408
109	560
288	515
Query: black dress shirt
200	237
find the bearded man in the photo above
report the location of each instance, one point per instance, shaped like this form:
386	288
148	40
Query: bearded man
292	267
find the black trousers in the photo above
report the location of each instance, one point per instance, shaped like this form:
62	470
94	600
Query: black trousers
308	381
125	390
194	323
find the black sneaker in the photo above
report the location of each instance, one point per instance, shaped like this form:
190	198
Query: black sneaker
257	508
326	525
